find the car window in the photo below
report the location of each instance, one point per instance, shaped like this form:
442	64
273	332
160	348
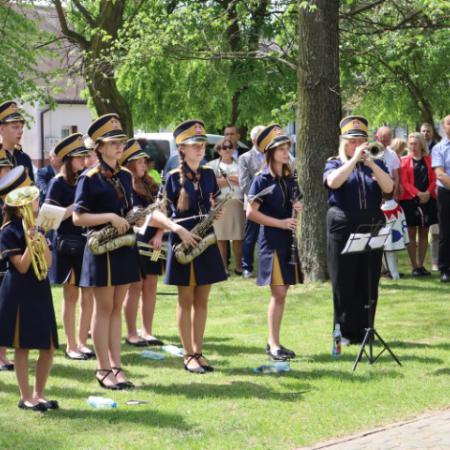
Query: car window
159	151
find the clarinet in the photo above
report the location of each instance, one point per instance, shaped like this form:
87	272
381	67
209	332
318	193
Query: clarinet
296	196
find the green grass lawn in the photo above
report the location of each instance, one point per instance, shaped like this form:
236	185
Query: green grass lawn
233	408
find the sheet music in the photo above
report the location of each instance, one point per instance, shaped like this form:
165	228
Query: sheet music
50	216
378	241
357	242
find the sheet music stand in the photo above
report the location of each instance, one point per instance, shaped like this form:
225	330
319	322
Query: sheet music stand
369	238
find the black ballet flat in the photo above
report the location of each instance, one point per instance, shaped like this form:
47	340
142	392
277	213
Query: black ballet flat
7	367
141	343
207	367
39	407
154	342
197	370
124	385
112	387
50	404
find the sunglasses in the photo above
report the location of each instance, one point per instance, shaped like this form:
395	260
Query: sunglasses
226	147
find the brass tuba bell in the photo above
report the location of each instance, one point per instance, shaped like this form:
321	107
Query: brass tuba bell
22	198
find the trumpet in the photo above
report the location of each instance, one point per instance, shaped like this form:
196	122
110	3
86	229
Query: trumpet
154	254
374	150
23	198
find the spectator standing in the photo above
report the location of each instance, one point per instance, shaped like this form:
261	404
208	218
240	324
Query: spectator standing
231	226
418	200
45	175
441	165
250	163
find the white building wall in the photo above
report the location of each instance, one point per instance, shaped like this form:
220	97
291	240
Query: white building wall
58	123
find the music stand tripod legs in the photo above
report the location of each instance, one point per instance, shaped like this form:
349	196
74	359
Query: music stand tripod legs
373	239
371	332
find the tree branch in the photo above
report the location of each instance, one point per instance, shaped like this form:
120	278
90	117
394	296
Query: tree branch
85	13
73	36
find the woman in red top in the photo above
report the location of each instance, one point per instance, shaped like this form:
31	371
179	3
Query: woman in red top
418	199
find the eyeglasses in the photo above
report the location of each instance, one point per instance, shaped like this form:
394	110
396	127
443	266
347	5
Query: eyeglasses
227	147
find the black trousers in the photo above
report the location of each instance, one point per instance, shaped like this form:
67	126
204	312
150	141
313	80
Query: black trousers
444	229
350	273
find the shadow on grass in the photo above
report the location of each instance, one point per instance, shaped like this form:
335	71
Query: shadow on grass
406	344
413	287
141	416
443	371
345	373
326	358
234	389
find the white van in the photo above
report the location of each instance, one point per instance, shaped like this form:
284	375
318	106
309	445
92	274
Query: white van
161	146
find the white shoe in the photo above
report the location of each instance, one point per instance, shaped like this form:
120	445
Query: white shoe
434	268
345	341
246	274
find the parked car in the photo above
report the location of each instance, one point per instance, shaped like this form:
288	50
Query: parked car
161	146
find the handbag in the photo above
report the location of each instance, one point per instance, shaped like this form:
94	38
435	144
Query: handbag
70	244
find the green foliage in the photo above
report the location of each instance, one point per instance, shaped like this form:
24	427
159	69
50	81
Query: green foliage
190	61
396	70
20	50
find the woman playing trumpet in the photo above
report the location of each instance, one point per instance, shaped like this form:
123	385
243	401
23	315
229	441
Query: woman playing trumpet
273	195
355	185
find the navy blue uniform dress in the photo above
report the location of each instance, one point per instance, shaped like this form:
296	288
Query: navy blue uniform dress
27	317
357	202
65	268
274	244
19	158
147	266
3	263
96	194
207	268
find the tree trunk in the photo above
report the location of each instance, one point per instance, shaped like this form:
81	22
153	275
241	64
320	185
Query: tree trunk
318	121
107	98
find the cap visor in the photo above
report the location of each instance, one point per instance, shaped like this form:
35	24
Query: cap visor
195	140
138	156
118	137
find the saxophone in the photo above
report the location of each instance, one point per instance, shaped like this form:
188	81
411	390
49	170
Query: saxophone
108	239
185	254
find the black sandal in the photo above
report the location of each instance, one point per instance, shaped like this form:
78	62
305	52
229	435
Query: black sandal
123	384
207	367
113	387
197	370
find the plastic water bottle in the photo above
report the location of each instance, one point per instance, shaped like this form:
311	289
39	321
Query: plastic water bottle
173	350
276	367
337	338
101	402
149	354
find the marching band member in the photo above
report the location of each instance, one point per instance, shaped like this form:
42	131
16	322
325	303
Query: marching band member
355	184
5	167
27	317
104	196
190	190
144	193
273	196
11	131
69	246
